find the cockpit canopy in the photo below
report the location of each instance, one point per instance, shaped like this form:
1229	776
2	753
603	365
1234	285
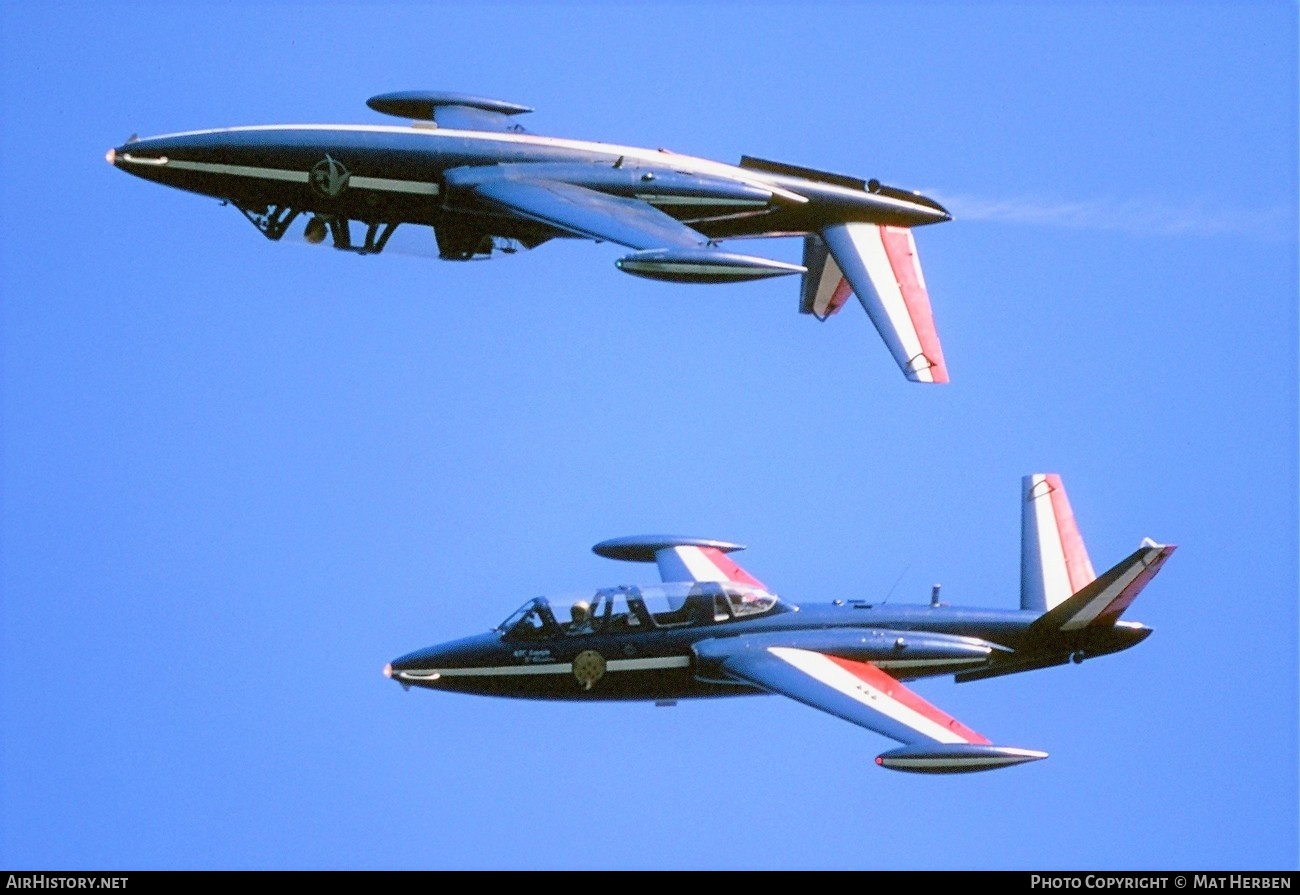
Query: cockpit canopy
622	610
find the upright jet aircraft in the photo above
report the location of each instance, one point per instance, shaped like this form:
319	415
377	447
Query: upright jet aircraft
466	169
712	629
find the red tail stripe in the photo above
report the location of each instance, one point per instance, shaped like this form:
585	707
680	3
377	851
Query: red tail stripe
898	248
1077	564
729	568
1126	597
839	297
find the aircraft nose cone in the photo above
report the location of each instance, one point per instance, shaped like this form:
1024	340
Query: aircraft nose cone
388	670
111	157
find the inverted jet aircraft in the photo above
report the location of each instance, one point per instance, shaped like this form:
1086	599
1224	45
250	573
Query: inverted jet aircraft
464	167
712	629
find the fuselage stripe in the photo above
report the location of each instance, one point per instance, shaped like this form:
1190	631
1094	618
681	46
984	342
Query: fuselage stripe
239	170
547	668
386	184
923	663
660	199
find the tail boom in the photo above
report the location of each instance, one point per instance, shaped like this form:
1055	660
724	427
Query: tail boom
1100	603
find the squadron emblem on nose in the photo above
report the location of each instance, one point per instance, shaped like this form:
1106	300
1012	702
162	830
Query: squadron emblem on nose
588	667
328	177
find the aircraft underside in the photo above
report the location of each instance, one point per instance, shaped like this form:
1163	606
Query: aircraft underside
458	236
484	186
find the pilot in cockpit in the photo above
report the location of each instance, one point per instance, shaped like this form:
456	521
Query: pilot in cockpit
580	617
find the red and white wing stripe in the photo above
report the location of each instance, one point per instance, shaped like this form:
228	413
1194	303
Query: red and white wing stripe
881	265
690	563
891	708
1054	563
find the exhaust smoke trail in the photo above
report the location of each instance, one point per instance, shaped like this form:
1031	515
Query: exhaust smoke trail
1127	215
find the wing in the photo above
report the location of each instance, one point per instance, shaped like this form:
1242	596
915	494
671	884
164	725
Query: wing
679	558
588	213
862	694
879	264
858	692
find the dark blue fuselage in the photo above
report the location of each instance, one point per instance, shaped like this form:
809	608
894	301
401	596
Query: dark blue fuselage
665	663
390	175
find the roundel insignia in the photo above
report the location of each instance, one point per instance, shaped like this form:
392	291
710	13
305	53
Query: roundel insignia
328	177
588	667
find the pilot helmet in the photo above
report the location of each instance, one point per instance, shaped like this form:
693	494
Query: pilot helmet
579	611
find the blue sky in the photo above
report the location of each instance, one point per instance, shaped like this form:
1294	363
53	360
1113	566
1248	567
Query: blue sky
238	477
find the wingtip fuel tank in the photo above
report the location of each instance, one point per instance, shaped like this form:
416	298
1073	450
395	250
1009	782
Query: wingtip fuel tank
703	266
957	758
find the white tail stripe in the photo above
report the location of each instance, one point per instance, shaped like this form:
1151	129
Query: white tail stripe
689	563
822	669
905	264
1108	595
1054	560
1051	555
828	288
867	240
880	263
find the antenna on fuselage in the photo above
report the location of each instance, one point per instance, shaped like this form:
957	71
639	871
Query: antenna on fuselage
934	597
895	584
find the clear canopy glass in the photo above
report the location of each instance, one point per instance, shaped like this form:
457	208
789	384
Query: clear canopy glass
615	610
